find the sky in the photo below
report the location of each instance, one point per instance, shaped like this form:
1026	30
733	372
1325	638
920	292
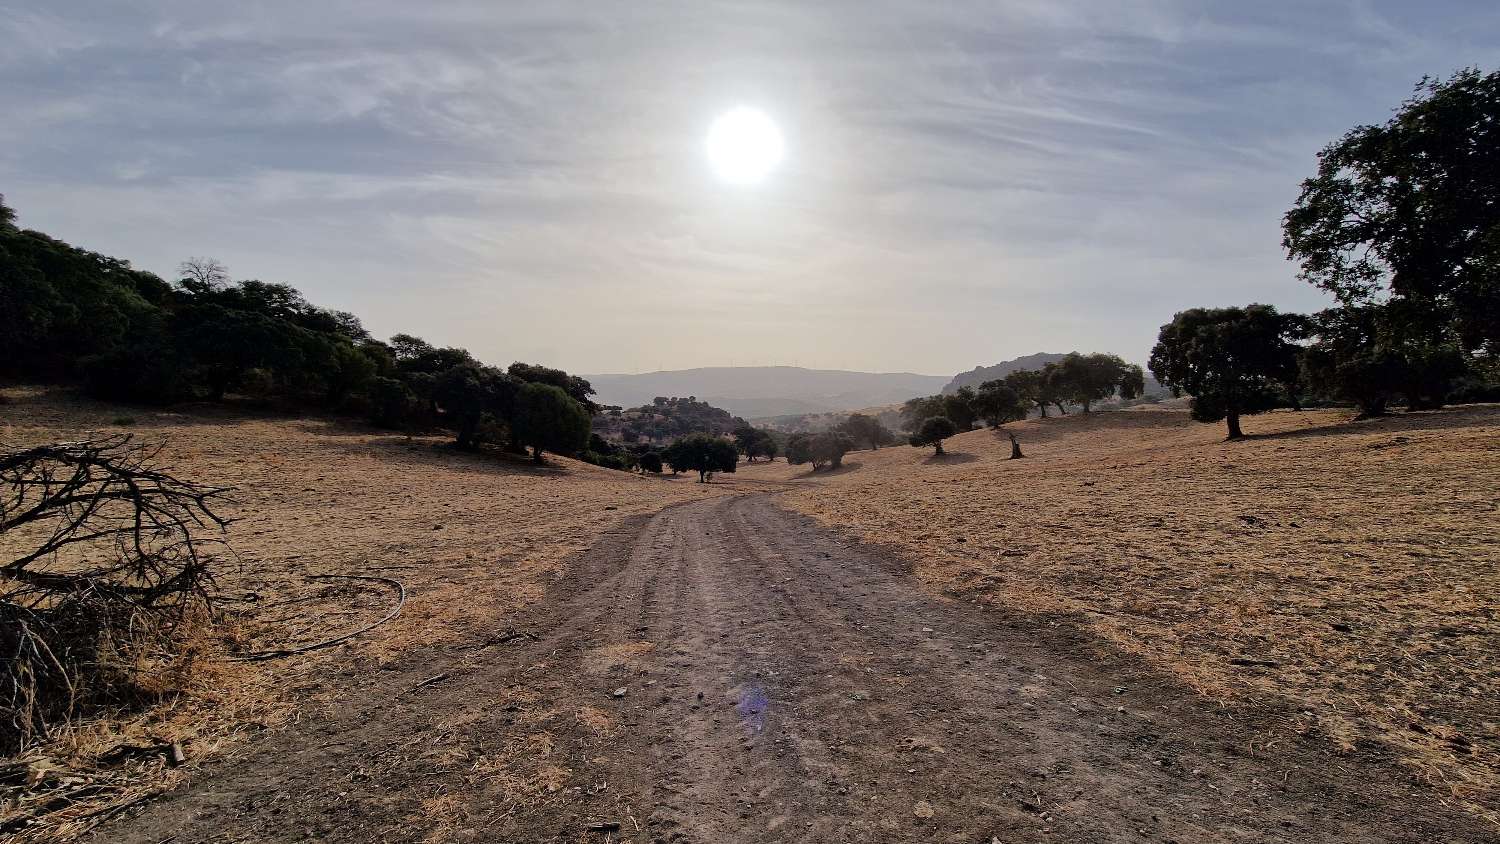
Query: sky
963	182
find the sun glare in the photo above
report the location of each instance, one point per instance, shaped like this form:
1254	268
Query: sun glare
744	146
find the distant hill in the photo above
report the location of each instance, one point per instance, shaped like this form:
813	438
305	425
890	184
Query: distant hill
889	416
761	391
980	374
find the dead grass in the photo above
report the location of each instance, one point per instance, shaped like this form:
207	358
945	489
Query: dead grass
1360	558
473	538
1363	559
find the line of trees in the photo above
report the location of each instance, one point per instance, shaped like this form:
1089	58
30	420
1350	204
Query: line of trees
1401	224
1077	379
70	315
756	442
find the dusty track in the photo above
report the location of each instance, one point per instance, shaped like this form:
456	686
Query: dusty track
781	685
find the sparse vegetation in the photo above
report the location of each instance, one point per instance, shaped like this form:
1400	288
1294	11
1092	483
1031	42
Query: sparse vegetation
1353	557
933	431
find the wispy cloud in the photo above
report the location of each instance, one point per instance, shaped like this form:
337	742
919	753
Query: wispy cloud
965	181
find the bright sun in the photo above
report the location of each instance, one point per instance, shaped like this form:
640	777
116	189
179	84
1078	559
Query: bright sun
744	146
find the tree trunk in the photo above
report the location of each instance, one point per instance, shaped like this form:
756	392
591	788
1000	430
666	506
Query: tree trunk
1043	408
1086	408
1232	419
939	446
1015	448
1060	408
466	437
536	453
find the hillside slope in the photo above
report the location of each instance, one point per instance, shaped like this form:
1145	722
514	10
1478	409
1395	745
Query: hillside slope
980	374
474	538
1346	568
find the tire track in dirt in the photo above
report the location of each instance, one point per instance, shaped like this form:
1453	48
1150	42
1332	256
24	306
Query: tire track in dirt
783	684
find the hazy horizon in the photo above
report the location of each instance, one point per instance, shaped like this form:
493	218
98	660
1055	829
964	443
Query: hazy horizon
773	366
961	184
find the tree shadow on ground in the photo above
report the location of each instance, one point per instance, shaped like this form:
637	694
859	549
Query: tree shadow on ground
1460	416
952	458
1038	430
432	449
828	473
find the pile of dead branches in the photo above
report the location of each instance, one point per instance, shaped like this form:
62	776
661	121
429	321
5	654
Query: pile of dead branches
108	565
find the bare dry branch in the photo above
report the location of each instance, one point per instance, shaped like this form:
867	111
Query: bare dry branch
106	554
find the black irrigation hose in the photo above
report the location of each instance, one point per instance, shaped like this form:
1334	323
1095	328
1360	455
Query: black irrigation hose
258	656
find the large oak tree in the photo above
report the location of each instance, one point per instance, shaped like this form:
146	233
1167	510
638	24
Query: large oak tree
1232	361
1410	210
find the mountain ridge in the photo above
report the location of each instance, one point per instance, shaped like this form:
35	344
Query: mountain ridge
980	374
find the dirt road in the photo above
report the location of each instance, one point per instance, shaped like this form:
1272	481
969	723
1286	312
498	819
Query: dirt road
724	671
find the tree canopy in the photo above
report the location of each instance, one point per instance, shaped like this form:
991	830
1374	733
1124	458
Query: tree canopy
825	449
933	431
1085	379
546	418
1363	354
67	314
702	453
1410	210
957	407
667	418
755	442
998	403
1232	361
865	430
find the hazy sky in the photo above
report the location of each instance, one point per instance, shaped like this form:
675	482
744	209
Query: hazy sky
963	182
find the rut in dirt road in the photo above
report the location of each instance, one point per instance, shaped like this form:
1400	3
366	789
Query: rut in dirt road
728	672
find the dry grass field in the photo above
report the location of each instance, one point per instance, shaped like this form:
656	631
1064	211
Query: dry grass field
471	537
1341	573
1361	560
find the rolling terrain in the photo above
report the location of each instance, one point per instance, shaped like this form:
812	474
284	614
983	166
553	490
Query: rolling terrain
1344	571
1102	642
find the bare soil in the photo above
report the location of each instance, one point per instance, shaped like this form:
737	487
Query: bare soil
726	671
